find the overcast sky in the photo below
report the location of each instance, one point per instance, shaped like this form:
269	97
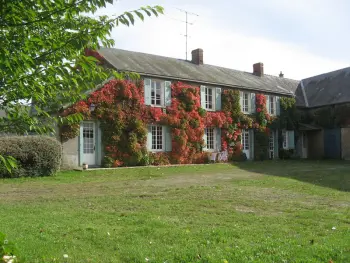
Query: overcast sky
302	38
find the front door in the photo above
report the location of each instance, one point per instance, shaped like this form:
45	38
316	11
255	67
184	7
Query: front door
304	145
89	134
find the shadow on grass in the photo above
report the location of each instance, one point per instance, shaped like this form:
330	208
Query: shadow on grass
331	174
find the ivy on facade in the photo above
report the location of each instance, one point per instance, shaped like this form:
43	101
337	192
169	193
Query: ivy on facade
124	119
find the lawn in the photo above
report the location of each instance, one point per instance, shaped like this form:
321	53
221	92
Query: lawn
251	212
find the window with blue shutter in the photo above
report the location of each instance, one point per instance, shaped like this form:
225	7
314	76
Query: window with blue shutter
203	97
167	136
278	106
205	140
290	137
148	85
267	103
252	103
149	138
167	93
218	99
218	139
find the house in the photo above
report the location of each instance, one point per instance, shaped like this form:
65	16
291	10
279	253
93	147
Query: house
324	132
160	74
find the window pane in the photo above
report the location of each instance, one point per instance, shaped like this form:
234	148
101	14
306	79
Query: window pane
210	138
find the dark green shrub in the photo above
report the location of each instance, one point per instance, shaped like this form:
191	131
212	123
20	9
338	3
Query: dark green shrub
35	155
285	154
242	157
107	162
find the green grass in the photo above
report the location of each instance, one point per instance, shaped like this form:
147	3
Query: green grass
251	212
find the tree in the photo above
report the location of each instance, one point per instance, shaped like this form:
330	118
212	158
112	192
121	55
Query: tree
42	57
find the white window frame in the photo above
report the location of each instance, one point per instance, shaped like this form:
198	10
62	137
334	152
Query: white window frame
245	102
272	145
156	128
285	139
154	83
213	132
245	140
213	98
272	102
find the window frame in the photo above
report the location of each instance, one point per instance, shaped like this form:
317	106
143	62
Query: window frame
284	139
162	92
272	102
272	143
162	149
207	139
245	140
247	100
213	98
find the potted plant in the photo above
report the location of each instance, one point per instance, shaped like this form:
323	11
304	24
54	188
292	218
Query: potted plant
85	166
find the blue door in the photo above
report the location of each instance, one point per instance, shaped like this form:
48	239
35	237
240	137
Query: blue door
332	143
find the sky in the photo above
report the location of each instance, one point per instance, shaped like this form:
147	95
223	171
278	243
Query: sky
301	38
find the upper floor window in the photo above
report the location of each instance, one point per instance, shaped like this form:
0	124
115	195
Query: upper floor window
210	98
247	101
272	105
157	92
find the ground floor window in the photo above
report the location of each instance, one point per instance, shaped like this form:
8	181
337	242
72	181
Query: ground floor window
245	140
271	145
157	138
210	134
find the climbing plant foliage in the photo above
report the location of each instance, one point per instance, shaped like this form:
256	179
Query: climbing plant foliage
124	119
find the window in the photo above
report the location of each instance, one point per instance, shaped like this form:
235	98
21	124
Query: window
157	93
271	145
210	133
245	140
209	98
245	102
272	106
157	138
285	139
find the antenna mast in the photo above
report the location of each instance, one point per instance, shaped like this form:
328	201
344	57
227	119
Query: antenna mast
187	23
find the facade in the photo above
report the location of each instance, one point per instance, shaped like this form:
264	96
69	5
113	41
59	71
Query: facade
160	76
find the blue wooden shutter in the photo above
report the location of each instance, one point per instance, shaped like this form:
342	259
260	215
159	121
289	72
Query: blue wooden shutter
148	84
278	106
251	144
205	140
167	138
149	138
241	100
290	137
98	144
203	97
268	103
218	99
167	93
218	139
252	102
81	145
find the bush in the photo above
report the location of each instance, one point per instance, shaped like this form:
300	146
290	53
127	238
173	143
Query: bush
242	157
285	154
35	155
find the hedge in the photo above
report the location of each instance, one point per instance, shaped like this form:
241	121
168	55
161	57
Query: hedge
35	155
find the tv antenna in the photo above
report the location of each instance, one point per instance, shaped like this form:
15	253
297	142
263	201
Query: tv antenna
187	23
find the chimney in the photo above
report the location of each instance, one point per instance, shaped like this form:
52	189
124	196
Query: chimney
281	75
258	69
197	56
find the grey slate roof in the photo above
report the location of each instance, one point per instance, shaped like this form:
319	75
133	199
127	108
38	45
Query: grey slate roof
178	69
325	89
